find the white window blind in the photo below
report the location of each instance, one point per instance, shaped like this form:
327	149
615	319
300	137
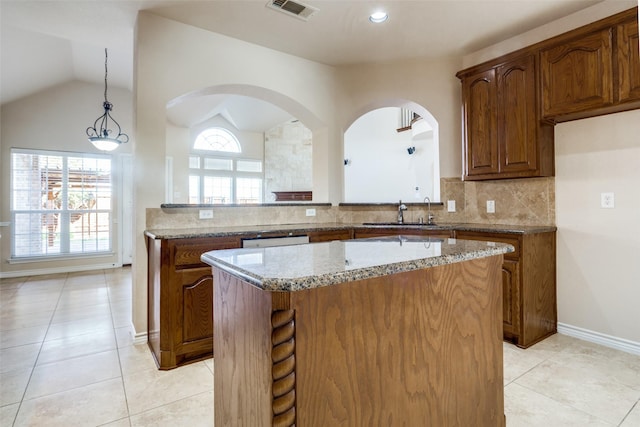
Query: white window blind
60	203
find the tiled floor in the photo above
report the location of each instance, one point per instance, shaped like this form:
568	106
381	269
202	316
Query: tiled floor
67	359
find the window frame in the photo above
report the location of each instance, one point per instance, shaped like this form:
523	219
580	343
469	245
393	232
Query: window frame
234	156
65	215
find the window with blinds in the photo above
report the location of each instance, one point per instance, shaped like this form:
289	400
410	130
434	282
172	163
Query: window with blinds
60	204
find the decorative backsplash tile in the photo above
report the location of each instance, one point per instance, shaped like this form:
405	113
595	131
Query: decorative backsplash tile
528	201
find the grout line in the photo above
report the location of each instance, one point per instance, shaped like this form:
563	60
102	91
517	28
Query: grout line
35	362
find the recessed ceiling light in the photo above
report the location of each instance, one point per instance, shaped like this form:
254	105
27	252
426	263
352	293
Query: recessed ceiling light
378	17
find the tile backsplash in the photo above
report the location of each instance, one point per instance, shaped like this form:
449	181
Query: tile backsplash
528	201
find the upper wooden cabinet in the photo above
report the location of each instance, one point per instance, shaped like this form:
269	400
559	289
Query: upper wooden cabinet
503	136
592	70
628	62
511	103
578	75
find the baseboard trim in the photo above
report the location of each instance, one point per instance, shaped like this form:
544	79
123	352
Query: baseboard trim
138	337
599	338
57	270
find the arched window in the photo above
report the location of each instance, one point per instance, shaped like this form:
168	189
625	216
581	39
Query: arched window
217	139
219	176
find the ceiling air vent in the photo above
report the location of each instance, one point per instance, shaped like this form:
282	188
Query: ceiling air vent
294	8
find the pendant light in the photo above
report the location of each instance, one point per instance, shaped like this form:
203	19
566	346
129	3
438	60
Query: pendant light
100	134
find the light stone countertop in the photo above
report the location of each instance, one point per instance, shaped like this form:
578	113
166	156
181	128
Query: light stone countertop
313	265
221	231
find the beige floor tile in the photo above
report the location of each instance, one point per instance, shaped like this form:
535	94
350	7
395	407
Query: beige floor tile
8	414
121	318
7	295
582	388
81	345
518	362
102	323
633	418
86	278
26	304
124	422
25	320
18	358
83	297
13	385
526	408
22	336
73	373
209	364
136	358
91	405
194	411
124	337
8	282
84	312
620	367
150	389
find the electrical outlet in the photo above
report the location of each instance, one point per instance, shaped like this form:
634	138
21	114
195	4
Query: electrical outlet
311	212
451	205
491	206
206	213
607	200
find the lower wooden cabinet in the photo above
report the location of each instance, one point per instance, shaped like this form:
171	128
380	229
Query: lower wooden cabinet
180	294
180	287
180	299
529	284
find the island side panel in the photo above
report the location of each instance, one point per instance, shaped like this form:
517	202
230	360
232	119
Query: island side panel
415	348
242	362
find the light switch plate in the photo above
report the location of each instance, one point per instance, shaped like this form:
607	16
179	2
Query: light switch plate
311	212
491	206
607	200
451	205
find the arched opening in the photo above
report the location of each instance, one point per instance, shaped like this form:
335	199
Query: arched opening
275	132
386	160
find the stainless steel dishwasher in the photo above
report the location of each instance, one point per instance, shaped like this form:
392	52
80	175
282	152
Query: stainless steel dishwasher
266	242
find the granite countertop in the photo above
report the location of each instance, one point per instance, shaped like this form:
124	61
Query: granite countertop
221	231
308	266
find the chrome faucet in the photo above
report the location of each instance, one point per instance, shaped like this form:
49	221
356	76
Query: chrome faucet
430	216
401	207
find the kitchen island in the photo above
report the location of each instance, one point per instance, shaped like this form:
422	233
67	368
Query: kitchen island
402	330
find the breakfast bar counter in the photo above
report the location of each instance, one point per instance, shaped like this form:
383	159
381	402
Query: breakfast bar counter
402	330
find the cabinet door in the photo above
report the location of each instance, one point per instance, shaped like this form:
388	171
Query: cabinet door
510	298
628	62
197	308
517	121
480	113
577	75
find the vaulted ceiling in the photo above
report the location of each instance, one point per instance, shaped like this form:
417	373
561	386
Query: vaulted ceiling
46	43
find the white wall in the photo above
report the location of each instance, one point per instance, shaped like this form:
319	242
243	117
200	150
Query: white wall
599	249
380	169
431	85
174	60
56	119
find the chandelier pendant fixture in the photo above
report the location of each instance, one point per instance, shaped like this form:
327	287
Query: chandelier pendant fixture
99	134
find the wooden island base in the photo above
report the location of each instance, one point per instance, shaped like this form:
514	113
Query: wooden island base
417	348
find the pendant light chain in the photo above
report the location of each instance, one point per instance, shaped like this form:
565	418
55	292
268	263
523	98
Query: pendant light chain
100	134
